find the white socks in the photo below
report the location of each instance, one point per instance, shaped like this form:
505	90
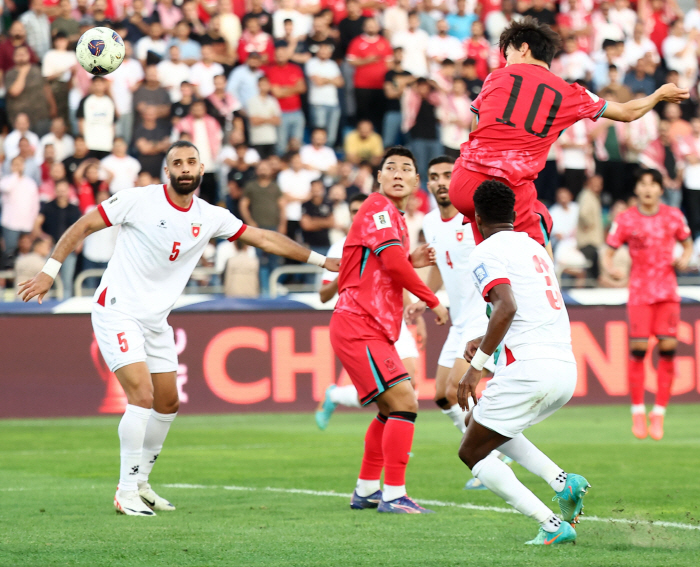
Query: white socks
457	416
366	488
393	492
156	432
658	410
132	430
345	396
638	408
501	480
523	452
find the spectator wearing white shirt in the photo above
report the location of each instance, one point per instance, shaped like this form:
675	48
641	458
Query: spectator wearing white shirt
498	20
57	68
574	64
442	46
189	50
96	115
124	82
680	51
624	16
202	73
21	130
455	117
639	45
564	227
317	156
295	183
395	19
692	18
172	73
20	204
265	116
575	156
122	170
414	42
61	141
38	28
153	42
287	11
325	79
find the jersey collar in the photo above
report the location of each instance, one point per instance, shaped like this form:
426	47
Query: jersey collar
179	208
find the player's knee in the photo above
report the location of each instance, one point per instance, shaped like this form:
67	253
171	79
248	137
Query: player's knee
142	397
638	353
468	455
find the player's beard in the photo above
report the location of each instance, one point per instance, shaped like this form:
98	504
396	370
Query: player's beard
186	189
443	199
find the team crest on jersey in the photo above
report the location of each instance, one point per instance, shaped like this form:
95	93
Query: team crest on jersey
480	273
460	235
390	365
196	227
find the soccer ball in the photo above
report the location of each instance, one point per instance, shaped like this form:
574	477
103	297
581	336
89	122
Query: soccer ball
100	51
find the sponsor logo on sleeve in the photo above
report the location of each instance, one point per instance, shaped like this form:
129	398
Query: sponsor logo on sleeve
111	200
382	219
480	273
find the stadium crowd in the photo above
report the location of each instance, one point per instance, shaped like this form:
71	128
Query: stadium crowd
292	102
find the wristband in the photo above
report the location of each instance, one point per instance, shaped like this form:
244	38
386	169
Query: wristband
316	259
480	358
51	267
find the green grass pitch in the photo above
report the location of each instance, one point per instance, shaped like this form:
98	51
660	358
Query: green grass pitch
57	480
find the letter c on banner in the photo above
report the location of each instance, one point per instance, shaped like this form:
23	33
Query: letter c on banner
216	376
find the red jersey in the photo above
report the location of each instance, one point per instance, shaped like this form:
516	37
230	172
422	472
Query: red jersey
651	239
521	111
364	286
371	75
285	76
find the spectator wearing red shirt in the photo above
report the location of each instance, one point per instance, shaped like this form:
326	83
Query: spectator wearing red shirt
369	54
478	49
254	40
288	83
17	36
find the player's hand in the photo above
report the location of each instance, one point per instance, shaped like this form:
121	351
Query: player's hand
413	311
442	316
423	256
681	264
467	388
617	274
38	285
671	93
472	347
332	264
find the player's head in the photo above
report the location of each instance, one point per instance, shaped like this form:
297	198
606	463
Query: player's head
494	204
528	39
398	176
649	187
355	203
183	167
439	175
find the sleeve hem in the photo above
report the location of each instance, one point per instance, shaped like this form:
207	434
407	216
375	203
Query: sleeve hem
103	214
239	233
491	285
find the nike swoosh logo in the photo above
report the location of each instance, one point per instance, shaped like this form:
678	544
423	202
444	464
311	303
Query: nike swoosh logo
148	502
550	541
140	512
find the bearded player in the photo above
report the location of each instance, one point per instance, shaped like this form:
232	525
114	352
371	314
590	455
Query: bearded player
164	231
376	268
521	110
651	230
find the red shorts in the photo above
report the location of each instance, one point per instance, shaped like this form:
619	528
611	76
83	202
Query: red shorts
463	185
368	356
658	319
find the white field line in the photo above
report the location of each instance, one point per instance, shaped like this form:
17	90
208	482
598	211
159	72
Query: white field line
437	503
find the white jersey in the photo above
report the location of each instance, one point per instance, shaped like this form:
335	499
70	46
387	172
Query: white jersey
454	243
540	328
158	246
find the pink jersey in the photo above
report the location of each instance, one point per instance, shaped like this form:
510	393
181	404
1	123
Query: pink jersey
364	287
651	239
521	110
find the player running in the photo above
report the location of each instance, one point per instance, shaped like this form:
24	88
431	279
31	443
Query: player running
521	110
164	230
538	376
376	268
405	345
651	230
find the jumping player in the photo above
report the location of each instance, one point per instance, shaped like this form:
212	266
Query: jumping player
376	268
651	230
520	112
538	376
164	230
405	345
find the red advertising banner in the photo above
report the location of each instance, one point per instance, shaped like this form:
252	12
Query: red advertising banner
278	361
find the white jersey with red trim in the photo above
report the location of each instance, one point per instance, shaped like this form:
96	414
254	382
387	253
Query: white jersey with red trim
158	247
540	328
453	242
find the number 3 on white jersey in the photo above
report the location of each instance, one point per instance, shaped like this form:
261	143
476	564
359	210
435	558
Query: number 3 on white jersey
553	295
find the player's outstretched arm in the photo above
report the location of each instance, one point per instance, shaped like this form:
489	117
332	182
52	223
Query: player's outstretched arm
634	109
42	282
276	243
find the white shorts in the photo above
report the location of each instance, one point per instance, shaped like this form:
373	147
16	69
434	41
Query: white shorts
406	344
123	340
524	393
456	344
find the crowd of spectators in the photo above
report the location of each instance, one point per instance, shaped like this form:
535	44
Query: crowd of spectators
292	102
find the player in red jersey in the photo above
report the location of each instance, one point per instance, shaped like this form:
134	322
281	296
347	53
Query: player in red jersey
651	230
375	269
521	110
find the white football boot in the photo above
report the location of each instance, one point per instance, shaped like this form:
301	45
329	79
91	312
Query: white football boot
152	500
129	503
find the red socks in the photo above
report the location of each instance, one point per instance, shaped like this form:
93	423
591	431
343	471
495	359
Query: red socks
664	382
635	376
373	460
396	443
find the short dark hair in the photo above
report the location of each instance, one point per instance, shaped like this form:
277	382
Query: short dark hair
357	198
655	174
180	144
542	40
398	151
440	159
494	202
